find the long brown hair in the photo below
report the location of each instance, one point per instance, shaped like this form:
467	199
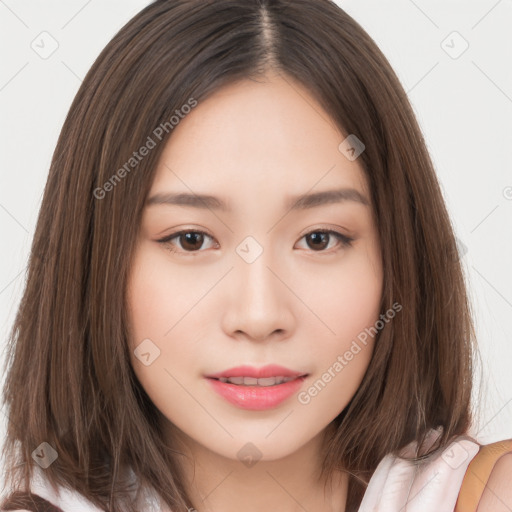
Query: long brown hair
69	380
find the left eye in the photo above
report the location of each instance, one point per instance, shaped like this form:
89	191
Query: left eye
319	236
192	241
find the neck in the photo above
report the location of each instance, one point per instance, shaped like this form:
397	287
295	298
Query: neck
288	484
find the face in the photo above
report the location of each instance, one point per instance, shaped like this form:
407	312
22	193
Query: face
256	277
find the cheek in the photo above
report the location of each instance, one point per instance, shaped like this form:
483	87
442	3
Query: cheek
157	308
343	358
349	302
347	296
158	300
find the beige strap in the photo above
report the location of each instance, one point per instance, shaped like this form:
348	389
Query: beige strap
478	473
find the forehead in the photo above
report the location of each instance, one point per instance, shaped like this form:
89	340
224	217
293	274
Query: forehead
257	136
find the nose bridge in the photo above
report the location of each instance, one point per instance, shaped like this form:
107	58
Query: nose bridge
258	282
260	304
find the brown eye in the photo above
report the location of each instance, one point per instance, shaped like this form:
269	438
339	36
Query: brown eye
189	241
319	240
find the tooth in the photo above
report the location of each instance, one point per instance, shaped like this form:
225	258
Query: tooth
252	381
267	381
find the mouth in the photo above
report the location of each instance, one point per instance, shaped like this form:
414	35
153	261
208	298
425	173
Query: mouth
264	388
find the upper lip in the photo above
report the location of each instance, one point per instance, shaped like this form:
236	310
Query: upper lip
271	370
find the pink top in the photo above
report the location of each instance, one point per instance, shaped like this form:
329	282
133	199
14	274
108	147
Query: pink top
395	484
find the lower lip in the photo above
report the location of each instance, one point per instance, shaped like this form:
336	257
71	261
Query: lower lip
256	398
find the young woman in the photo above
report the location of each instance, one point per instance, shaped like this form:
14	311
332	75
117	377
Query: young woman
244	289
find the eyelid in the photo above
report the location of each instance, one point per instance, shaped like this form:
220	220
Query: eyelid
328	228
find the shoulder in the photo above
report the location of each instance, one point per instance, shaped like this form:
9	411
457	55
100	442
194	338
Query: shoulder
497	494
401	481
486	486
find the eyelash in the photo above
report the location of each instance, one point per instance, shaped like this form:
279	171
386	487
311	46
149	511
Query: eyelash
345	240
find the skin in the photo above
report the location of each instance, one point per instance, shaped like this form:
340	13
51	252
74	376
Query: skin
300	304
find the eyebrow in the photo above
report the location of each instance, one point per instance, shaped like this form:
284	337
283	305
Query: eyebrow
300	202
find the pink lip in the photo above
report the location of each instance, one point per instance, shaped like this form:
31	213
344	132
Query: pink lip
271	370
256	398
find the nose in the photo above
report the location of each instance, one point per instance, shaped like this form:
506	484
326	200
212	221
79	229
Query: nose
260	305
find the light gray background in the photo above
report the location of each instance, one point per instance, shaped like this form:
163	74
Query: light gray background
463	104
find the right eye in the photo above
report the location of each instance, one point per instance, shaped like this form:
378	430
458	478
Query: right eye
190	241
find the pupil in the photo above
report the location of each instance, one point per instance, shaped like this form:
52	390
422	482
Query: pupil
191	238
317	237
